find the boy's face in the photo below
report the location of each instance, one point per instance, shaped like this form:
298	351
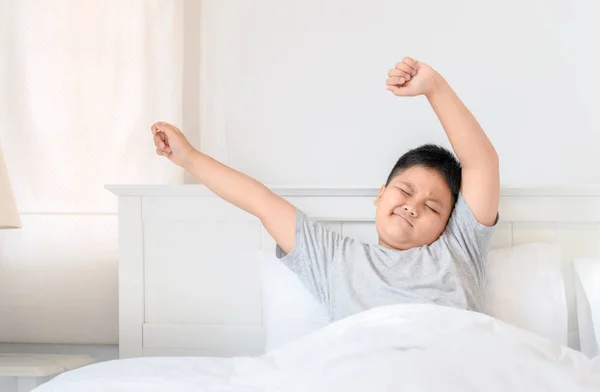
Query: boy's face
413	209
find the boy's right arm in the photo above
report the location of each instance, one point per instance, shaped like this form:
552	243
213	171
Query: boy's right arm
276	214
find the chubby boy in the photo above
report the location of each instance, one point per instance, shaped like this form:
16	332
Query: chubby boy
435	214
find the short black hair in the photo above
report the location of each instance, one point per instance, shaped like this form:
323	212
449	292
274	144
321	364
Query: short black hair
433	157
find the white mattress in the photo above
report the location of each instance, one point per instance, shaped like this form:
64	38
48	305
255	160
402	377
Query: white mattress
400	347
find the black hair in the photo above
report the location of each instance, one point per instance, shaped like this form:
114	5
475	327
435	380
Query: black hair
433	157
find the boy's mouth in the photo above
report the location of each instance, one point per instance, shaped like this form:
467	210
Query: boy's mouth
402	217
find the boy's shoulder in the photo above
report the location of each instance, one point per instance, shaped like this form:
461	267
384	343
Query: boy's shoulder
462	218
464	229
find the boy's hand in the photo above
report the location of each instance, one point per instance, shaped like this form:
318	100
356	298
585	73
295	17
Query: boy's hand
410	78
171	143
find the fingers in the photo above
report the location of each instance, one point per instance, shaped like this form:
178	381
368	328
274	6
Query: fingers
165	153
167	128
396	81
165	150
159	127
412	63
161	143
395	89
397	77
400	74
159	132
404	68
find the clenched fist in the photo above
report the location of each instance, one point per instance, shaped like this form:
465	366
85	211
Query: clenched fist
411	77
171	143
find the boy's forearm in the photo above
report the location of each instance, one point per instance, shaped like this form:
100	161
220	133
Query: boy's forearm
231	185
468	140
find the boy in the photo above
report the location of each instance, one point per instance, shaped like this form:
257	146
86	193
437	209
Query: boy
434	218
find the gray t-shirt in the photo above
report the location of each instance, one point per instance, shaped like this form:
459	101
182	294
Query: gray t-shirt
349	276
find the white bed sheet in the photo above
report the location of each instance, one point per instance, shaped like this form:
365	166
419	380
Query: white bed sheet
399	347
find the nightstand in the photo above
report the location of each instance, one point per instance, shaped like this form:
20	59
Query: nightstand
32	370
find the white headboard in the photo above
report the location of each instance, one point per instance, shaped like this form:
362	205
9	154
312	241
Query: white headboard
187	285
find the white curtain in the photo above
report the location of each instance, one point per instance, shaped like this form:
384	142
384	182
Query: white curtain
87	79
81	83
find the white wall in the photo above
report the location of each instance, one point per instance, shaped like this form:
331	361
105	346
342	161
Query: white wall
302	98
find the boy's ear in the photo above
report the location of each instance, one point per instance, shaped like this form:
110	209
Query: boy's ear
378	199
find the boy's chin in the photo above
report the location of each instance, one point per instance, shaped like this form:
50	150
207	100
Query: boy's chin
399	241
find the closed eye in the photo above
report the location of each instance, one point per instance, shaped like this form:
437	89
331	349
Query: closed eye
432	209
405	192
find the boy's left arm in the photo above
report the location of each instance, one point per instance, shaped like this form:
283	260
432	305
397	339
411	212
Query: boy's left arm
480	186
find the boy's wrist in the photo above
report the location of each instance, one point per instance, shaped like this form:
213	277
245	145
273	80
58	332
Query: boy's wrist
187	158
438	85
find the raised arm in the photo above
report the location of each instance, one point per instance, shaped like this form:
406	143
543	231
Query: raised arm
276	214
480	185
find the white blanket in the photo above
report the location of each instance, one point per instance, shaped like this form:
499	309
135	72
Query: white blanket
406	348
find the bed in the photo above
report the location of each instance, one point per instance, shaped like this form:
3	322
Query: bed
191	316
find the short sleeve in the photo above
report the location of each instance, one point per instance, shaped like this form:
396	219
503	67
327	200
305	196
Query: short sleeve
472	237
314	249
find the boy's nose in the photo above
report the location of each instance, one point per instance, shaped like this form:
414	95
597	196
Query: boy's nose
411	210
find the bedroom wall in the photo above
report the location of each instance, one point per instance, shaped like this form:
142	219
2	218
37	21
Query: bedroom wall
293	93
302	99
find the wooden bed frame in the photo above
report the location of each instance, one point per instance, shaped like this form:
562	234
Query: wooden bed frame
188	284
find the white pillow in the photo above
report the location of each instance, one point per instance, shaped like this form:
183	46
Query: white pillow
525	287
289	311
587	291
